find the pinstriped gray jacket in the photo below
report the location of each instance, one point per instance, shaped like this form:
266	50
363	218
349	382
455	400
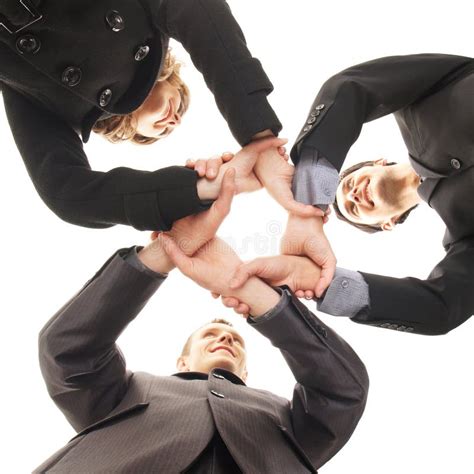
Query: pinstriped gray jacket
141	423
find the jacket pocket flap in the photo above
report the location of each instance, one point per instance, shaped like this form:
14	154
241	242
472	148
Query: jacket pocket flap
299	450
124	413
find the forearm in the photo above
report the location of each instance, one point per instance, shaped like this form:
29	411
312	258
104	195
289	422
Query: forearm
59	168
83	368
329	373
216	44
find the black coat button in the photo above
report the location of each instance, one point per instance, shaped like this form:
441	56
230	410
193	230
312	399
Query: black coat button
320	107
105	97
142	53
71	76
311	120
456	164
28	44
115	21
307	128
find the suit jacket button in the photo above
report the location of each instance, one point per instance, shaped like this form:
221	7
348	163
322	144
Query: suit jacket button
311	120
115	21
456	164
409	329
217	394
320	107
105	97
71	76
28	44
307	128
142	53
344	283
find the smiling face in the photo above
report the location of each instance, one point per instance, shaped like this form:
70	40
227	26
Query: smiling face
161	111
215	345
377	195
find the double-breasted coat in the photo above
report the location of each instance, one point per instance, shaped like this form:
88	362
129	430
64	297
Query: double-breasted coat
432	98
141	423
64	65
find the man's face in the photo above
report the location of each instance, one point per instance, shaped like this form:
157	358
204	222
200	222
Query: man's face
372	195
215	345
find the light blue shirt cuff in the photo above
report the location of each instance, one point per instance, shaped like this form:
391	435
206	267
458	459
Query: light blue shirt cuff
347	294
316	180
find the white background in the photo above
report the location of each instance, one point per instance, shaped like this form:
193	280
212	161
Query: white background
419	417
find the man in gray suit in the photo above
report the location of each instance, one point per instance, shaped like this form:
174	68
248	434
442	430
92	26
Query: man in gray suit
204	418
432	98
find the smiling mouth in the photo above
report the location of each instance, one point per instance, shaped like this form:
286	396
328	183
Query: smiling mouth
367	195
223	348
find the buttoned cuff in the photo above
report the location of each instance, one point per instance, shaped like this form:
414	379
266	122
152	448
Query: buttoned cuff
131	257
316	180
347	294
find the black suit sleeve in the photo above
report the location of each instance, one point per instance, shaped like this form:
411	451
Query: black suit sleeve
332	382
82	366
54	157
433	306
216	44
369	91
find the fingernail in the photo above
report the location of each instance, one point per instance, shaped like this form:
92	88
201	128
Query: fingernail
211	173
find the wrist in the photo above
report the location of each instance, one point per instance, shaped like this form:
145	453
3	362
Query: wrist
209	189
259	296
263	134
155	258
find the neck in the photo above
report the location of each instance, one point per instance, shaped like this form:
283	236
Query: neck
409	184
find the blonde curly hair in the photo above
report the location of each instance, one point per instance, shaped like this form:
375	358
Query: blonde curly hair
119	128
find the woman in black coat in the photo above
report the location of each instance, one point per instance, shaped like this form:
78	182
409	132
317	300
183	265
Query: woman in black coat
67	67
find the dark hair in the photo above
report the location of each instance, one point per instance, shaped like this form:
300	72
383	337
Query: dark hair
370	229
187	344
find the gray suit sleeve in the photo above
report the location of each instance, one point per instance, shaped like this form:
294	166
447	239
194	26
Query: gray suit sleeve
332	382
315	181
347	295
82	365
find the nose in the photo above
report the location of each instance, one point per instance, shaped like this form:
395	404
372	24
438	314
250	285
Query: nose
354	194
174	120
227	337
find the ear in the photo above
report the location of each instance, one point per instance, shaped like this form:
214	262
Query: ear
182	364
381	162
390	224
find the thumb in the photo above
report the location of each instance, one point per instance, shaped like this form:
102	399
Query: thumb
226	194
244	272
302	210
327	274
176	255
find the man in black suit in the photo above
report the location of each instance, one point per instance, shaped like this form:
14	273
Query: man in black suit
432	98
204	418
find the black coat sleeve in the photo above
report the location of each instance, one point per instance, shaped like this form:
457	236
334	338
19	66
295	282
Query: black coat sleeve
332	382
216	44
83	367
54	157
369	91
433	306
